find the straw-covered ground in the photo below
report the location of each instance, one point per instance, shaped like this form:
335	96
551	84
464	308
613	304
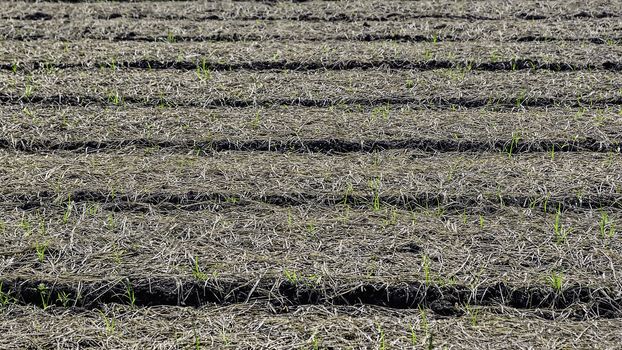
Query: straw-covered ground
310	174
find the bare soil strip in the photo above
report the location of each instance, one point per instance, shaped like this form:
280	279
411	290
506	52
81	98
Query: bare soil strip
257	325
597	31
313	10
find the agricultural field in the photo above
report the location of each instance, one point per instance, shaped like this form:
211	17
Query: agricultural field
311	174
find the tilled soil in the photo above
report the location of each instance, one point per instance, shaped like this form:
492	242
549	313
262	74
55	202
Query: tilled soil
310	174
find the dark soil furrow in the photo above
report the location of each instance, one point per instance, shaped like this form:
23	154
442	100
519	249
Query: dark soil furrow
248	37
512	65
327	146
582	302
313	11
432	102
195	201
341	17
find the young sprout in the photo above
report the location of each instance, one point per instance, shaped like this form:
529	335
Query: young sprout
606	227
129	294
561	232
115	98
425	266
44	294
413	336
473	313
381	341
29	89
196	271
315	342
63	298
40	251
5	297
374	185
109	323
203	71
511	148
256	121
380	112
170	37
556	280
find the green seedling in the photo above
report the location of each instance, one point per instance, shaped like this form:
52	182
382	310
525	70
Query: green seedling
68	210
556	281
311	228
197	341
25	226
111	222
28	90
380	112
170	37
256	121
481	221
606	227
494	56
374	185
425	266
115	98
40	251
113	65
392	218
290	219
382	345
129	294
427	55
109	323
45	295
410	84
5	297
42	228
196	271
14	67
292	276
561	232
203	71
413	336
473	313
63	298
511	148
425	324
92	209
315	342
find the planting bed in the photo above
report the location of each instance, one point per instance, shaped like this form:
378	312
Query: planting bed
310	175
